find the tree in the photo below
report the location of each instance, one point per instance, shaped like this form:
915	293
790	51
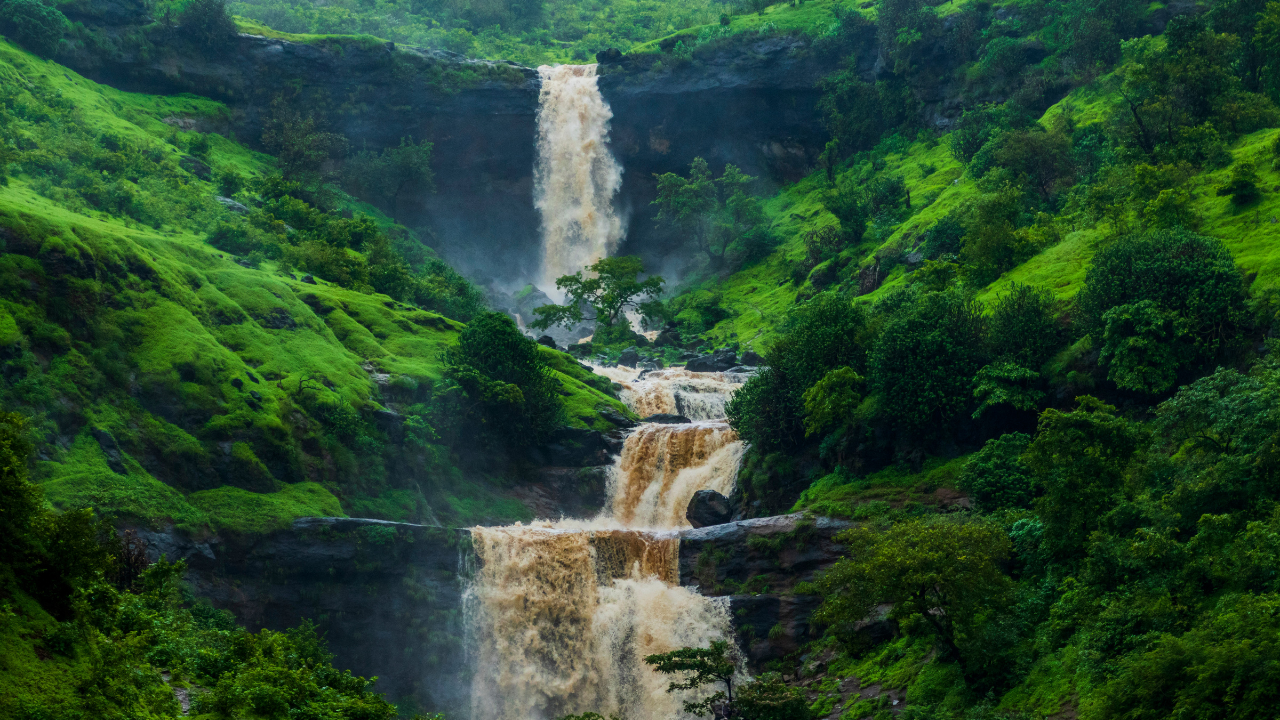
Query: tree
1023	327
1079	457
1040	159
941	574
822	335
206	23
846	203
924	360
33	24
300	147
996	478
720	215
699	667
1242	185
1195	309
610	286
384	176
508	383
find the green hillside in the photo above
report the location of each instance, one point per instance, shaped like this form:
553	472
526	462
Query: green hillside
237	394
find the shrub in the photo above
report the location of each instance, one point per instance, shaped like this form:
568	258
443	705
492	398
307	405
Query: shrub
507	380
1242	185
206	23
1190	281
995	477
33	24
924	359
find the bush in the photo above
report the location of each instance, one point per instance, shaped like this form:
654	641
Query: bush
924	360
507	380
1242	185
1190	281
995	477
206	23
33	24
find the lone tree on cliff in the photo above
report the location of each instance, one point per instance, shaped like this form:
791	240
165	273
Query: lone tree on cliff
611	286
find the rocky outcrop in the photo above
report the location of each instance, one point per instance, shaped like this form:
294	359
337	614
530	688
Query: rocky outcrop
718	361
708	507
386	595
757	564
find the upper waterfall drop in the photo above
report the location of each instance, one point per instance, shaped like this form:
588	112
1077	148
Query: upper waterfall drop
576	176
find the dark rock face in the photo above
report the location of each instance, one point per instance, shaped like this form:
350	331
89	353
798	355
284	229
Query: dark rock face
718	361
574	447
548	341
386	595
111	449
751	359
765	557
708	507
751	104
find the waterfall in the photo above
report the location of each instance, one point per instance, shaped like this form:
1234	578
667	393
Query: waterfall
576	176
562	614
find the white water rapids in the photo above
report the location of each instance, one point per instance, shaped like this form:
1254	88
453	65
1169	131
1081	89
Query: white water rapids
576	176
562	613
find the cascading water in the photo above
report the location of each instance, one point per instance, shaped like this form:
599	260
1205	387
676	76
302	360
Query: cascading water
562	614
576	176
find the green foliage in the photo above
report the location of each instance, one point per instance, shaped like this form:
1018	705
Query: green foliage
700	667
1023	327
1242	185
1005	382
384	176
1223	668
1080	458
941	574
824	334
301	147
724	221
1163	302
610	286
506	381
35	25
845	202
995	477
922	362
833	400
769	698
858	113
206	24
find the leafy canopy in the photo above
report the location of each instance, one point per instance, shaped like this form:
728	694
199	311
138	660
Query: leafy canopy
610	286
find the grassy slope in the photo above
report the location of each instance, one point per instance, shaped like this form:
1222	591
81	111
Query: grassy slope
210	322
759	295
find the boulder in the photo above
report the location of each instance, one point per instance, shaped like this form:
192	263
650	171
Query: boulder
548	341
667	419
612	55
751	359
718	361
708	507
615	417
629	357
669	337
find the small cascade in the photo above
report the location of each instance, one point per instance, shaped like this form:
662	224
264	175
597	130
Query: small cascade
562	620
562	614
576	176
662	466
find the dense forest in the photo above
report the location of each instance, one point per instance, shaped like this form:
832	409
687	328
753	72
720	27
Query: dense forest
1017	323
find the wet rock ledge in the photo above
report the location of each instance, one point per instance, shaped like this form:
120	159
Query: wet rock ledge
386	595
757	563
